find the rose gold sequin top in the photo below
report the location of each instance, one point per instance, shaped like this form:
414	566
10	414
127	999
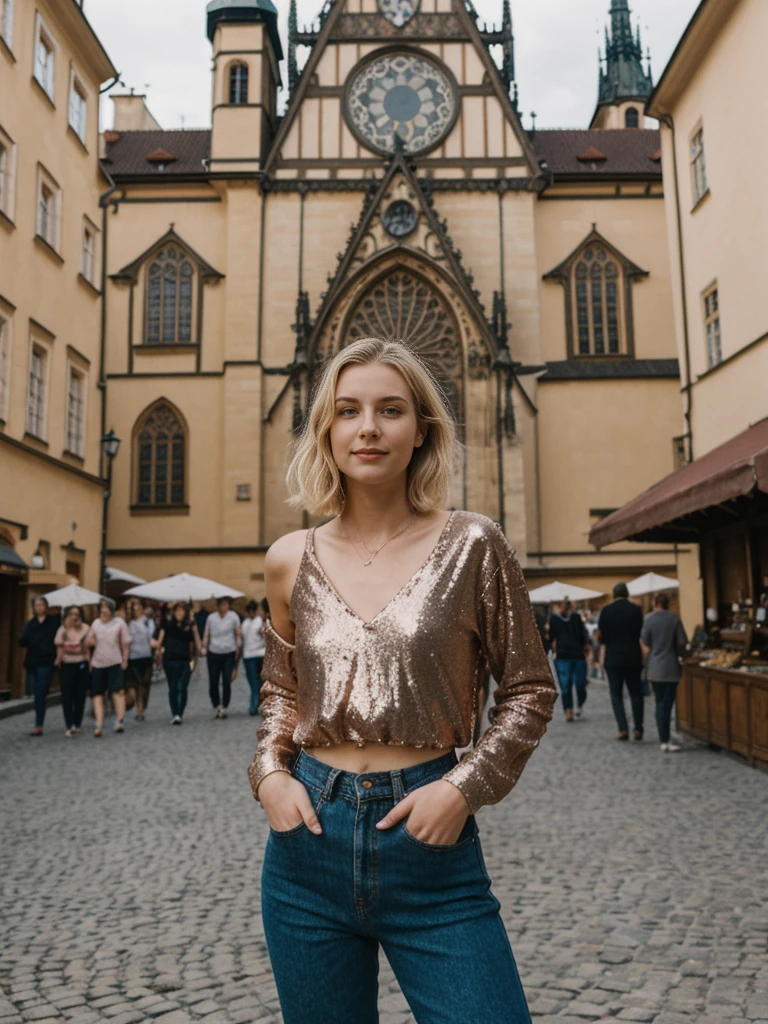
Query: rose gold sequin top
409	676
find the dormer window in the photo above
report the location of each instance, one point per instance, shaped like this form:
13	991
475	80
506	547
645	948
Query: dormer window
631	117
238	84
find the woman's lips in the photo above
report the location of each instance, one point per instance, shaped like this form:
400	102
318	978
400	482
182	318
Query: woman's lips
369	456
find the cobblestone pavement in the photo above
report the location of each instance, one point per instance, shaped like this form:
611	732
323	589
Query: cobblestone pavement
634	885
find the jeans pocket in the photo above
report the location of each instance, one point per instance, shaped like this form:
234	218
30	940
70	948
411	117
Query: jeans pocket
467	835
301	827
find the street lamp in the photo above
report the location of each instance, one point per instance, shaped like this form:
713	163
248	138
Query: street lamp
110	446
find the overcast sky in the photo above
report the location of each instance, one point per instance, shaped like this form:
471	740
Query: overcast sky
160	47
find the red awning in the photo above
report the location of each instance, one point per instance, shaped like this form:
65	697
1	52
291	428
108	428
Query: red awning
735	469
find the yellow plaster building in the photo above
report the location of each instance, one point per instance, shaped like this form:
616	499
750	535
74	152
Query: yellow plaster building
397	195
51	69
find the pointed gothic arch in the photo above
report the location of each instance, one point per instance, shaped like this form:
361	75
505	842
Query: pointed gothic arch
160	446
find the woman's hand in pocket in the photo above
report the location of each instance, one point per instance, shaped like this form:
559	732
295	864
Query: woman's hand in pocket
436	813
286	803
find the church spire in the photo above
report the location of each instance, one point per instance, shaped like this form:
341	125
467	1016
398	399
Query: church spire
623	77
293	28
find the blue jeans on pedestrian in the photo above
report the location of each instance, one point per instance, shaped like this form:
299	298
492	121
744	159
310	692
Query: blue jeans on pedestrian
665	694
220	665
177	673
253	674
572	672
39	682
330	901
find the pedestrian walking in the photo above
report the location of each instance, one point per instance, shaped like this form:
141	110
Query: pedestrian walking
177	643
74	669
221	647
618	630
663	641
201	617
569	640
111	643
139	674
252	628
39	636
382	623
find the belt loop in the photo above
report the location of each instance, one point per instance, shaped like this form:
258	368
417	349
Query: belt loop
398	789
327	794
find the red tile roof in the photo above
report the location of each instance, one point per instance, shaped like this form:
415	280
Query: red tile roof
626	152
136	153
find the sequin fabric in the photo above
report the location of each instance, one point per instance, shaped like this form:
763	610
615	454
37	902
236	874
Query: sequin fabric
410	676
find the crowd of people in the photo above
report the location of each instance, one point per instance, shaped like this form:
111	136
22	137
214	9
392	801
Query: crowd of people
636	652
120	654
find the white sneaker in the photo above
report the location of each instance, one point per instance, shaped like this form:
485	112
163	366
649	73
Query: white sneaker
223	713
664	747
673	748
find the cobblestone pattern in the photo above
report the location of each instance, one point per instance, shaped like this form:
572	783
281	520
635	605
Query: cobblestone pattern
634	885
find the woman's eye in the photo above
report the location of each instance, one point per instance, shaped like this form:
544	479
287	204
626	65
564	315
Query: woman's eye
343	412
392	409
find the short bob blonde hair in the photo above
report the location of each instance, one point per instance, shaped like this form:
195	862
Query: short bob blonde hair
313	478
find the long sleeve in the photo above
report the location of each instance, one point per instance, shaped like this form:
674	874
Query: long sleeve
526	692
276	749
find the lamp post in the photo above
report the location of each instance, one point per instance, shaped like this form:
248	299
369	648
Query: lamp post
110	445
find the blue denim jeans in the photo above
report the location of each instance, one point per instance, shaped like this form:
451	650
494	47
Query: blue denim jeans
177	673
39	683
572	672
253	675
329	901
665	694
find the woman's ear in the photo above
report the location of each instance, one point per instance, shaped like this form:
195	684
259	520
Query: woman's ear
421	435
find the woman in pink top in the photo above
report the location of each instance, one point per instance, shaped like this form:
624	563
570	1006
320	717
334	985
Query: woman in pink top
74	671
111	642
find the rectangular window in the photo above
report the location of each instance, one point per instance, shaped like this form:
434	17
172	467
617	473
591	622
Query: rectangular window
36	391
712	326
5	364
75	412
698	165
7	174
6	22
89	251
78	104
45	56
48	209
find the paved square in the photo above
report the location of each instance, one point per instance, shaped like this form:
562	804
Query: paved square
634	885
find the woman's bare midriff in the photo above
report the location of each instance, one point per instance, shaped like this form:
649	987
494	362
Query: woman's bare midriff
373	757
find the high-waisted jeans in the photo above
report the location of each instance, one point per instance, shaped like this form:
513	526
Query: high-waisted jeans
329	901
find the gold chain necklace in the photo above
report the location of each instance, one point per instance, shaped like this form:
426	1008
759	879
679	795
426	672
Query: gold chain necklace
398	531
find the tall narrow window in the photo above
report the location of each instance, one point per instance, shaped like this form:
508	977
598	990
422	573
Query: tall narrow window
78	105
75	412
698	166
6	22
45	57
36	392
631	118
7	174
169	298
596	279
238	84
712	327
89	252
5	365
160	458
48	208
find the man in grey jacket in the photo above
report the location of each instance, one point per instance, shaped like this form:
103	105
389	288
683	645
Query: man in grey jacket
663	641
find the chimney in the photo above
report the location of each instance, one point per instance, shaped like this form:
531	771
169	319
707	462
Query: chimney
132	114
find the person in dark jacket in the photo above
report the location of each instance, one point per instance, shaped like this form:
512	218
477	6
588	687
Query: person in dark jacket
569	639
618	630
177	643
38	637
663	640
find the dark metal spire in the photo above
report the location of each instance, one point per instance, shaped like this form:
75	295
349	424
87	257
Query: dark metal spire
508	46
293	28
623	77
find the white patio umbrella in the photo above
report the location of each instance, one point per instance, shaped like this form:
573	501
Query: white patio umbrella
73	594
121	576
552	593
183	587
651	583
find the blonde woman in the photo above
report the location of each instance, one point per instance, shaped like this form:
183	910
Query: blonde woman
384	622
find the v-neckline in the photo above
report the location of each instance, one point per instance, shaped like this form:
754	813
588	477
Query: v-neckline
328	582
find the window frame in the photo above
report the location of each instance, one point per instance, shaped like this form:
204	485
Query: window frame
143	420
6	334
697	154
78	88
75	372
631	112
8	160
711	319
6	23
45	180
590	280
163	261
89	228
44	36
38	348
235	87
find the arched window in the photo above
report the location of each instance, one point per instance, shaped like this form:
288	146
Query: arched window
631	118
169	298
160	457
596	280
238	83
402	304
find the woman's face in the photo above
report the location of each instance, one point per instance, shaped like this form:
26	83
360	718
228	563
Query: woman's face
73	617
40	607
375	428
105	612
179	613
224	607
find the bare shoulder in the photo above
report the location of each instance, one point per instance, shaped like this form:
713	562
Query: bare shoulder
283	557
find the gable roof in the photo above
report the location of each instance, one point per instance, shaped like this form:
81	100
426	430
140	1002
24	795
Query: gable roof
623	152
130	272
127	156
